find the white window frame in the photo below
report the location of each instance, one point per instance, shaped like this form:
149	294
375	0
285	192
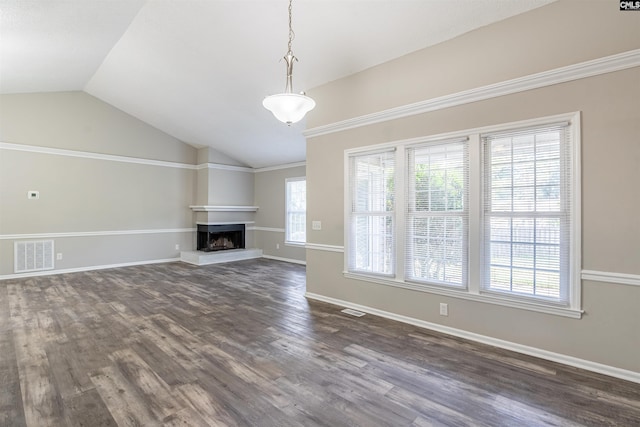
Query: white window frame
287	211
476	242
463	214
370	214
514	240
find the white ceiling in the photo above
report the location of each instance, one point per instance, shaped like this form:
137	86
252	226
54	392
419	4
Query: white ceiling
199	69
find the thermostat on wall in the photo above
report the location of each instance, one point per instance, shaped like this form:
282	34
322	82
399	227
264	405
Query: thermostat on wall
32	194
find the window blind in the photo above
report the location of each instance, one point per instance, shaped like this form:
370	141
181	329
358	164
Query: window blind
371	212
527	212
296	208
437	213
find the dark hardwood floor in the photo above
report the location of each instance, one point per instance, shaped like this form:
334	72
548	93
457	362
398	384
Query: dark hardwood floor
238	345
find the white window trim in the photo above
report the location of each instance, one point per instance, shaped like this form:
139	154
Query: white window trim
286	211
392	214
476	220
404	183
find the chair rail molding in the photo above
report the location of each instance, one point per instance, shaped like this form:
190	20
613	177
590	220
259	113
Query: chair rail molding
93	233
212	208
609	277
323	247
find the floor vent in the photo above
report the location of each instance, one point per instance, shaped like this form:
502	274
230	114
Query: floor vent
353	312
33	256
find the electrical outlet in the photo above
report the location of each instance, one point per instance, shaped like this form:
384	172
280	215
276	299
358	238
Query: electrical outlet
277	245
177	247
444	309
316	225
59	256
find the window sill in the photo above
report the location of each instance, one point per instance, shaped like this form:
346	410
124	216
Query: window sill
464	294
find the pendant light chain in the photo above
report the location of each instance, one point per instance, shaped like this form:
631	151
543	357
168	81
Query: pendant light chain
292	35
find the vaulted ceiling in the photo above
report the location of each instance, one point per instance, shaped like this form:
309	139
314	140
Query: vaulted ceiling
199	69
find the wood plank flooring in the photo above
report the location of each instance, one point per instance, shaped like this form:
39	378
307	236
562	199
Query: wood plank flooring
238	345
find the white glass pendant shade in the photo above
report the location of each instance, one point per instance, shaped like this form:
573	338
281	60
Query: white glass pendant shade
289	107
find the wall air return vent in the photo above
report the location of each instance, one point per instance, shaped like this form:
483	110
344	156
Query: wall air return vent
33	256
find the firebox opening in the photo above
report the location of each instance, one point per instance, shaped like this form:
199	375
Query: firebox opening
213	238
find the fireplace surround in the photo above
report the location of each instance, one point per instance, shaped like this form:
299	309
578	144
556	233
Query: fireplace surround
212	238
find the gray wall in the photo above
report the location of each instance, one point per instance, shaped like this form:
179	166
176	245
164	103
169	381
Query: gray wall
270	196
607	333
219	185
118	210
100	205
209	155
233	188
77	121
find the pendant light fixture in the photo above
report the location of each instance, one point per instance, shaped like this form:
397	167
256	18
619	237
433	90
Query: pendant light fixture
289	107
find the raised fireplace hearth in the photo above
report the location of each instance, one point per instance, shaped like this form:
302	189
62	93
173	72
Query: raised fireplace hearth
219	243
213	238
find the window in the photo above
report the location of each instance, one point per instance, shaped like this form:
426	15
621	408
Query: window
296	211
437	213
490	215
527	212
371	215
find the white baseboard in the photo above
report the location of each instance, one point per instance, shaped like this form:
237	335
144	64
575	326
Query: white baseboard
123	264
507	345
88	268
277	258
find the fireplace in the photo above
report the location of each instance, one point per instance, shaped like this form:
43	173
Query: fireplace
220	237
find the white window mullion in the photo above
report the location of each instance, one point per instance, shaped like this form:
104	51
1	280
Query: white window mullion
476	216
400	212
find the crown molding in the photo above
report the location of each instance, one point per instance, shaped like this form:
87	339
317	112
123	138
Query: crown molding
225	167
608	64
278	167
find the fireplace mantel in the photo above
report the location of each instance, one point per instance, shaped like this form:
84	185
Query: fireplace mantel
210	208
